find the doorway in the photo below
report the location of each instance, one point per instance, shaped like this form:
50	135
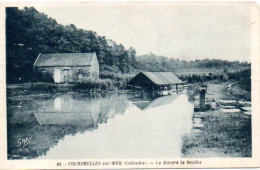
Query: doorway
66	74
57	75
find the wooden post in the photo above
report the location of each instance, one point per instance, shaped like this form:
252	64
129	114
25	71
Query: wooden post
177	88
203	98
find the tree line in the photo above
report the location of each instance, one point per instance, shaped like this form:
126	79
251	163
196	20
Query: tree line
152	62
29	32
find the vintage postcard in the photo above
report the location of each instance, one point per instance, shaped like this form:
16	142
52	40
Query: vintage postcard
99	85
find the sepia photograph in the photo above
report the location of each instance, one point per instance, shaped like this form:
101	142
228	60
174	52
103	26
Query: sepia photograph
139	81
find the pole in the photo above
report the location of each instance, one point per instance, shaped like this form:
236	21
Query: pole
202	98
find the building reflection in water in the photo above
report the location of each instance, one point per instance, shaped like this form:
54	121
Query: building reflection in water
139	133
49	120
65	110
149	100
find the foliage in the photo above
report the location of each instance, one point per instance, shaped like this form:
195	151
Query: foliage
201	78
243	77
29	32
31	88
193	91
47	87
89	84
152	62
117	77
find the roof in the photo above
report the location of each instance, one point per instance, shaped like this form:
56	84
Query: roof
64	59
163	77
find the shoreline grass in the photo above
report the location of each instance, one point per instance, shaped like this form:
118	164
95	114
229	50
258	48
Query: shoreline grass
224	134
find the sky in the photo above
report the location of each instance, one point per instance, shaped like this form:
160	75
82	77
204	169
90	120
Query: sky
173	29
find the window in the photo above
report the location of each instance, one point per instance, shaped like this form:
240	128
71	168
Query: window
44	72
80	71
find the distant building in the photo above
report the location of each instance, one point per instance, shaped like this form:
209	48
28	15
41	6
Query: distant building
66	67
155	81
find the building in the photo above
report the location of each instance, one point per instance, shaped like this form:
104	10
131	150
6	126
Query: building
66	67
161	81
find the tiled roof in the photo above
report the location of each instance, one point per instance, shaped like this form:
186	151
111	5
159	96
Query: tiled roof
163	77
64	59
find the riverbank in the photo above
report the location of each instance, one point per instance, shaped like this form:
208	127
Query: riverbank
228	91
222	134
40	89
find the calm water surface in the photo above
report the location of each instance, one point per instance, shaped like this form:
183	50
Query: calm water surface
134	125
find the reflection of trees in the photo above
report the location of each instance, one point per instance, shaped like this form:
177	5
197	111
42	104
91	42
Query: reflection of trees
43	137
47	125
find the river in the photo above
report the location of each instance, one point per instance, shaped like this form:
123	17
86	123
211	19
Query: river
132	125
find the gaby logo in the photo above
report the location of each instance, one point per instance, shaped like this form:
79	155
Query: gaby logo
24	141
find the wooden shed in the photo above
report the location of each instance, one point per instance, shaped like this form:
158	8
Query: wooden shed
155	81
66	67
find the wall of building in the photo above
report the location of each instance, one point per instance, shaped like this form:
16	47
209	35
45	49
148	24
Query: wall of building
75	73
47	73
143	82
95	68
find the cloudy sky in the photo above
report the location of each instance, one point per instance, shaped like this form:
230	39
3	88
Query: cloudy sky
179	30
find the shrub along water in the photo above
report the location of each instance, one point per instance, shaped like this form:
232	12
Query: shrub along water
96	85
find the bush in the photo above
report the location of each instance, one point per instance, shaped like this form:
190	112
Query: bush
89	84
106	84
48	87
193	91
120	79
244	80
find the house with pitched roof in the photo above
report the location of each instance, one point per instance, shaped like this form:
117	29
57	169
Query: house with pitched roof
66	67
160	81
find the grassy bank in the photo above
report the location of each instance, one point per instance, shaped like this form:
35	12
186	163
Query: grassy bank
108	82
239	93
228	90
30	89
224	134
51	88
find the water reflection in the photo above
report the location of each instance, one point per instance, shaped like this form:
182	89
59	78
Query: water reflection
66	110
60	125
